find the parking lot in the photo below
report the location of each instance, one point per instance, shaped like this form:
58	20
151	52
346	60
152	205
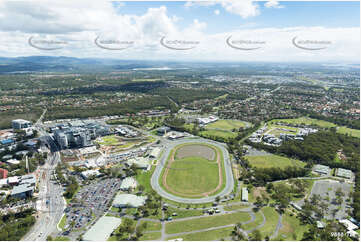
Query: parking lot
91	202
326	189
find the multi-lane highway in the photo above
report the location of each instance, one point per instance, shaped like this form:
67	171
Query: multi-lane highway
158	171
50	204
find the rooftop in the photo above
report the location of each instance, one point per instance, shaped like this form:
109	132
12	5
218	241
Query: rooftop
102	229
128	200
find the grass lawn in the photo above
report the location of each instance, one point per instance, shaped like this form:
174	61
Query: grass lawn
151	236
109	140
216	234
235	207
61	238
62	222
292	229
151	225
181	213
269	161
258	220
278	129
271	221
143	178
219	133
224	124
351	132
306	121
206	222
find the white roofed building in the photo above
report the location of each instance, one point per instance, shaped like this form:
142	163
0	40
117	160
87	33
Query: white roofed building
128	200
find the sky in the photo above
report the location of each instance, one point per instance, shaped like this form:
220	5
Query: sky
220	30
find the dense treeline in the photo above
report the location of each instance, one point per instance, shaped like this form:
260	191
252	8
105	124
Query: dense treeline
72	188
15	226
320	148
127	87
180	95
129	107
260	176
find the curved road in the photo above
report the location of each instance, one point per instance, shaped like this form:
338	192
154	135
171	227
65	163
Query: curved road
158	171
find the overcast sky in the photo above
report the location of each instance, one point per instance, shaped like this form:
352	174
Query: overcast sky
229	30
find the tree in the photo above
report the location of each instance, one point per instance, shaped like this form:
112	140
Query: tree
256	235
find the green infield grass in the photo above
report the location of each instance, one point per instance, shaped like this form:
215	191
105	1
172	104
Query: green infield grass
193	176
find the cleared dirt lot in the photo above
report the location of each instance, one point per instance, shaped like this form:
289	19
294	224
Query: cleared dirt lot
195	150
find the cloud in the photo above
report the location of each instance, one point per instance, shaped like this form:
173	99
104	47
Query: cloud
273	4
243	8
216	12
80	25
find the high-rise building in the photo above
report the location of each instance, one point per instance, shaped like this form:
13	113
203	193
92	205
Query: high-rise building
20	124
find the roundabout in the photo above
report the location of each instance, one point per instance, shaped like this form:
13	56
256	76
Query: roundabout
193	171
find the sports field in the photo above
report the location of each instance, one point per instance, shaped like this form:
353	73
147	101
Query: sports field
269	161
320	123
194	170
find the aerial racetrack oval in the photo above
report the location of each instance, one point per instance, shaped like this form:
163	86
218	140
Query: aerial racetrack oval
193	171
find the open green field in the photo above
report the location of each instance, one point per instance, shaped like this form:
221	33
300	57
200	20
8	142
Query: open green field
225	124
219	133
194	175
151	236
182	213
257	221
291	229
151	225
320	123
235	207
215	234
269	161
206	222
271	221
110	140
276	130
